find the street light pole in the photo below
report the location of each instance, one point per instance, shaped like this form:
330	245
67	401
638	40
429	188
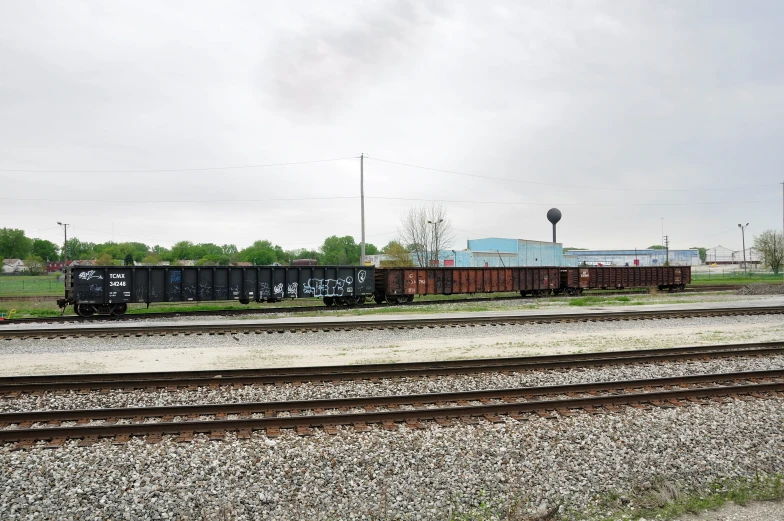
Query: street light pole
743	236
435	237
65	243
362	202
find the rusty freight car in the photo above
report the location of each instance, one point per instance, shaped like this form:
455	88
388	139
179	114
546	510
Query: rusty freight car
673	278
398	285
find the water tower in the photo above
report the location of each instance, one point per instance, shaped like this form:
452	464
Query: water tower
554	215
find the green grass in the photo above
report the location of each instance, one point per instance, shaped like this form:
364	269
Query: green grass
665	501
734	277
662	501
30	285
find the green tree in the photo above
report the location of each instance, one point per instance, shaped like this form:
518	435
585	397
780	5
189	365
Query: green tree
151	259
104	260
261	253
702	251
214	260
392	245
164	254
340	250
47	250
80	250
129	259
399	256
35	265
229	249
770	245
182	250
656	247
14	244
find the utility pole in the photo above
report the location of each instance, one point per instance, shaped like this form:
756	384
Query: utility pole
743	236
667	250
435	240
662	235
65	244
362	203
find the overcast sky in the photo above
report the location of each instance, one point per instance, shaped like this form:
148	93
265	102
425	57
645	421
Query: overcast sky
619	113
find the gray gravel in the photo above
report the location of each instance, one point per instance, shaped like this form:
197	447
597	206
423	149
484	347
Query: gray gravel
761	289
306	391
422	475
349	339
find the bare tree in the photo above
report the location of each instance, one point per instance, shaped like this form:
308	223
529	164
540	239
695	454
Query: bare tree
770	245
426	230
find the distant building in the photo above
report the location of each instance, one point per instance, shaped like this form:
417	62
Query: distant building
636	257
13	266
719	255
497	252
752	256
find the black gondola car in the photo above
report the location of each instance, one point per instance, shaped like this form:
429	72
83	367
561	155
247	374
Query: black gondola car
109	289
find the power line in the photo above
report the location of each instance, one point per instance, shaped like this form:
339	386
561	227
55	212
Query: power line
456	201
570	204
171	169
562	185
148	201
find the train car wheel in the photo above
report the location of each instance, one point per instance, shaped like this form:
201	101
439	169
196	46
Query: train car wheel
244	301
409	298
84	310
350	301
119	310
523	293
329	301
361	299
393	301
379	298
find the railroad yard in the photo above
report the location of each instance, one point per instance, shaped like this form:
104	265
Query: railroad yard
517	412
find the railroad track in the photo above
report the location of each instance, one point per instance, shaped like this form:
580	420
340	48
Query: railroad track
306	309
386	411
368	323
14	386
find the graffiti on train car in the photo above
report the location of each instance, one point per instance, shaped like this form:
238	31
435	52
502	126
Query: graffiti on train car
328	287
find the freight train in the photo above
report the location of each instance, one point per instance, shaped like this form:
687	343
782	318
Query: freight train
107	290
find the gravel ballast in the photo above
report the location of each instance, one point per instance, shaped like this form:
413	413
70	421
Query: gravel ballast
309	391
404	474
761	289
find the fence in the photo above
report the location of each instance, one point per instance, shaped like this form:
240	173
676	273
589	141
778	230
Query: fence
25	285
734	273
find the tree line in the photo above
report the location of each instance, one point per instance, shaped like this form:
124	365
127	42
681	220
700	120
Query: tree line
14	244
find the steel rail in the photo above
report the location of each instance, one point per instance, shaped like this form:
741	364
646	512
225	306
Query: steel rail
371	416
311	308
266	376
248	408
118	330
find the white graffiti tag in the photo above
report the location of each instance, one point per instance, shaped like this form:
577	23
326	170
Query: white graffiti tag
325	287
278	289
361	276
292	289
89	275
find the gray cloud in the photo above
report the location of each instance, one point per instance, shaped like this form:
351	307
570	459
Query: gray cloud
317	68
634	95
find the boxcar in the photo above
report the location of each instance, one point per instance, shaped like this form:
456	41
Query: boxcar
109	289
396	285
